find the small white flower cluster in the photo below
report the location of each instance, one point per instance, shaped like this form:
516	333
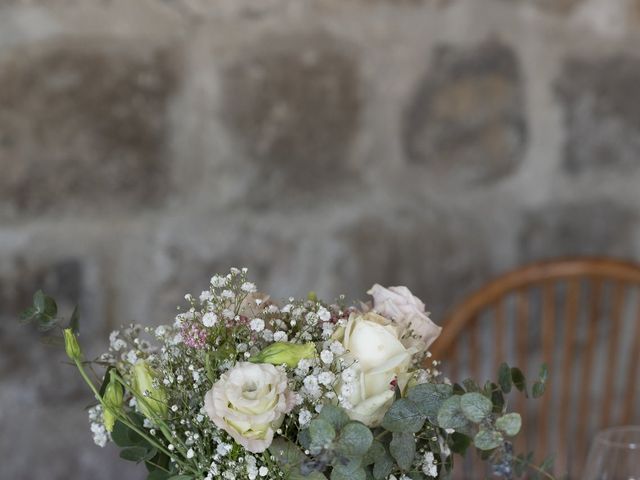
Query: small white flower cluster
100	434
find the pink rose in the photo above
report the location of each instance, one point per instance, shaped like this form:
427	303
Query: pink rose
408	311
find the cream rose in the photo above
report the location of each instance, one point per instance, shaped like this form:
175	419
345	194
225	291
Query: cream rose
373	342
408	312
249	402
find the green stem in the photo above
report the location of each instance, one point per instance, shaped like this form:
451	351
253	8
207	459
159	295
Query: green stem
125	420
533	466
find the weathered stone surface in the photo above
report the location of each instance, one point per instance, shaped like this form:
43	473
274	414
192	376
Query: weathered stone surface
590	228
602	114
426	251
83	127
189	263
294	106
467	119
555	6
53	442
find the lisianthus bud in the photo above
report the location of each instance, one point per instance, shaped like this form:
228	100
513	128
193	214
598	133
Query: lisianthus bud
71	345
287	353
151	399
113	397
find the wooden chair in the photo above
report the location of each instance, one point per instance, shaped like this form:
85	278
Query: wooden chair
579	316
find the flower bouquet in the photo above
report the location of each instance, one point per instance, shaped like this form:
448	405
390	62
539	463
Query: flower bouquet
243	387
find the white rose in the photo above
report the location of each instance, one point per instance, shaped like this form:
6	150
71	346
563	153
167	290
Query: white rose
374	342
400	305
249	402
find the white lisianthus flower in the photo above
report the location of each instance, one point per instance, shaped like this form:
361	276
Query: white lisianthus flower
249	402
408	312
374	343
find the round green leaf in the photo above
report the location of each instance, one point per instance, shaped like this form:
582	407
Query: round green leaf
341	473
321	431
510	424
429	397
450	415
488	440
334	415
403	416
383	466
403	449
475	406
355	439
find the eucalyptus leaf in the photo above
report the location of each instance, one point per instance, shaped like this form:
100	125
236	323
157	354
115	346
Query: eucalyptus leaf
336	416
322	432
428	397
538	389
376	450
355	439
383	466
403	449
403	416
459	443
488	440
519	380
451	416
470	385
475	406
289	457
510	424
341	473
504	378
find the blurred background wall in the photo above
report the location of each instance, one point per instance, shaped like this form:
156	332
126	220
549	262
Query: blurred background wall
326	145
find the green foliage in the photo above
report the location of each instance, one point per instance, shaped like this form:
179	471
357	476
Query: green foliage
509	423
336	416
322	433
504	378
429	398
459	443
383	466
475	406
518	379
403	416
138	454
348	472
451	415
289	458
355	440
470	385
487	439
403	449
540	384
43	311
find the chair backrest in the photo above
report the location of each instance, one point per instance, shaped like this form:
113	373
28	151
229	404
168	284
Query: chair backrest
579	316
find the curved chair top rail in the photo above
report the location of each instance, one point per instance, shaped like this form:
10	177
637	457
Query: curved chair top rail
527	276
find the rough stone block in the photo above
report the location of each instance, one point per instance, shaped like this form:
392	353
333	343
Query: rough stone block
293	105
602	114
83	127
590	228
439	257
41	441
466	120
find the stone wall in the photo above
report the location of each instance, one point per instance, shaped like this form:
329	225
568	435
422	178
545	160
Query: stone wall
325	144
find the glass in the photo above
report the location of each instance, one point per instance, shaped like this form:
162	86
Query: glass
614	455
